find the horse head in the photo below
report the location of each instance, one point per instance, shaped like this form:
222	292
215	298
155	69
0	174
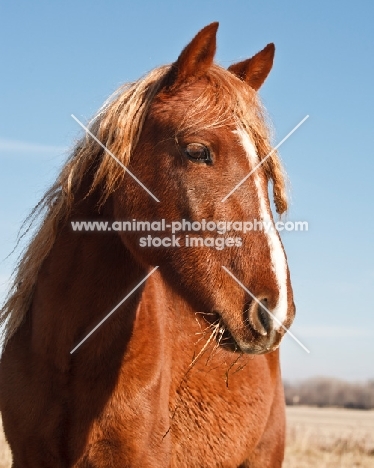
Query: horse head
203	133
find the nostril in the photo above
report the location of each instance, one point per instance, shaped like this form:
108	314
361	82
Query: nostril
259	318
264	316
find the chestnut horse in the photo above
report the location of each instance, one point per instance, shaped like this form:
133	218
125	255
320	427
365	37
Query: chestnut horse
185	373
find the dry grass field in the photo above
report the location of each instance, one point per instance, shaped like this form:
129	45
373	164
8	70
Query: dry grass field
329	437
316	437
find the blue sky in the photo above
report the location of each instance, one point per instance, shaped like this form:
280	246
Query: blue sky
60	58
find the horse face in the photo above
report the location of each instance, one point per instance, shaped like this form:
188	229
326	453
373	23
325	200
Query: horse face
191	168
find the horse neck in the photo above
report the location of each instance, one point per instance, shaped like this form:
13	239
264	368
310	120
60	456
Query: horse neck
85	275
83	278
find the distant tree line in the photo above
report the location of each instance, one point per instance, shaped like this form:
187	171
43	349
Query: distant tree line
330	392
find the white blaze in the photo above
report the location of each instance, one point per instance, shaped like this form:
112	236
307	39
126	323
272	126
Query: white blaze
277	256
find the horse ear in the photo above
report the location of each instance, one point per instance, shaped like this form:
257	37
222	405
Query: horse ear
255	70
196	57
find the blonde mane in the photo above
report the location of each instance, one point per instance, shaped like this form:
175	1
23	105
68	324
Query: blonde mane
118	125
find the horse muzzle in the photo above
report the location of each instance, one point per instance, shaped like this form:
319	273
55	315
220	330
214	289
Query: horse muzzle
259	332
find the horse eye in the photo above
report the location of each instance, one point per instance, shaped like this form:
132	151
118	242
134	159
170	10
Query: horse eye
198	153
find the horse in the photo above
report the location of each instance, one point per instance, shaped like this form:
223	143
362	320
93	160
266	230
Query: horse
185	372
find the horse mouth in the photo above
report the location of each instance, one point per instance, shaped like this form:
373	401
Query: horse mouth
226	340
254	345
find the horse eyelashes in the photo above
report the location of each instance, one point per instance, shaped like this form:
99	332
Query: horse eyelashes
198	152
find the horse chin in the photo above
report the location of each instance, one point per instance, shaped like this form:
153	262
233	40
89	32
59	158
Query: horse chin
257	348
